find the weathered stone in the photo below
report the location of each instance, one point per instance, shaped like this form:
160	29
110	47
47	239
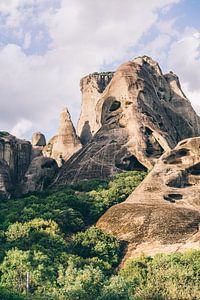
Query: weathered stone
40	174
38	139
163	213
92	86
62	146
15	155
141	114
5	180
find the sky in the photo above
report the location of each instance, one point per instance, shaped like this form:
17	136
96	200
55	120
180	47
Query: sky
46	46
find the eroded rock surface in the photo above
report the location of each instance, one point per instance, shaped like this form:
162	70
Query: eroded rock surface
92	87
38	139
141	114
63	145
15	156
40	174
163	213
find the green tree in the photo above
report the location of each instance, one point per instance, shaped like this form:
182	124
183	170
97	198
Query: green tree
17	264
95	243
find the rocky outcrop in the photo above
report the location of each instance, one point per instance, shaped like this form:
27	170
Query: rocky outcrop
141	114
163	213
40	175
15	156
63	145
6	184
92	87
38	140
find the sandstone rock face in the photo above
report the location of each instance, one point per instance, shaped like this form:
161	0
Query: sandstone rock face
163	213
92	86
15	155
5	180
38	142
141	114
40	174
63	145
38	139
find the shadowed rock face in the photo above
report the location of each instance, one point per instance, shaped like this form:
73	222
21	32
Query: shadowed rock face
63	145
163	213
141	114
15	156
92	87
40	174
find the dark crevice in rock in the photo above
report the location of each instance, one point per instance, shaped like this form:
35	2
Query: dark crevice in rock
175	158
153	149
131	163
115	105
173	197
194	170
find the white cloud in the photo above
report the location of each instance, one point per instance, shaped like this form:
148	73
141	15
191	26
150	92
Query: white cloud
184	59
21	128
27	41
84	35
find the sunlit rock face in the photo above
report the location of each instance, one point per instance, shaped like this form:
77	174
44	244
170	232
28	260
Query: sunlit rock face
141	114
65	143
163	213
92	87
15	156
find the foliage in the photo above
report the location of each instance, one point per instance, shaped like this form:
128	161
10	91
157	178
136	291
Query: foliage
17	264
3	133
79	283
48	236
95	243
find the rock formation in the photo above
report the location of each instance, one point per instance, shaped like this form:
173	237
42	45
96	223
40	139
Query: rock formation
40	174
141	114
38	140
163	213
92	86
15	156
63	145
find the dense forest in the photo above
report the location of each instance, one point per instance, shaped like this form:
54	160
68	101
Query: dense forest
51	249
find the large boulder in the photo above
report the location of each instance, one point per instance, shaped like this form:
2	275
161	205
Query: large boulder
65	143
163	213
92	87
141	114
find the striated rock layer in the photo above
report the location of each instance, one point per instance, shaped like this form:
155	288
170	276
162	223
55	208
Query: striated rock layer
141	114
163	213
15	156
63	145
92	87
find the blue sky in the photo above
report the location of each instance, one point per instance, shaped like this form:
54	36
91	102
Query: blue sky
46	46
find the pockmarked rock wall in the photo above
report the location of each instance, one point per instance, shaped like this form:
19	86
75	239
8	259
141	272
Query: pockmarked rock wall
141	114
163	213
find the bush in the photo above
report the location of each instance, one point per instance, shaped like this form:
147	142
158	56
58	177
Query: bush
95	243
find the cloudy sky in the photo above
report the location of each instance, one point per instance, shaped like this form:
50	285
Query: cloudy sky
46	46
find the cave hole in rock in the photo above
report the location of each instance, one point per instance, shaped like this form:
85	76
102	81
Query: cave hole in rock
173	197
175	158
195	170
153	148
131	163
48	164
115	105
